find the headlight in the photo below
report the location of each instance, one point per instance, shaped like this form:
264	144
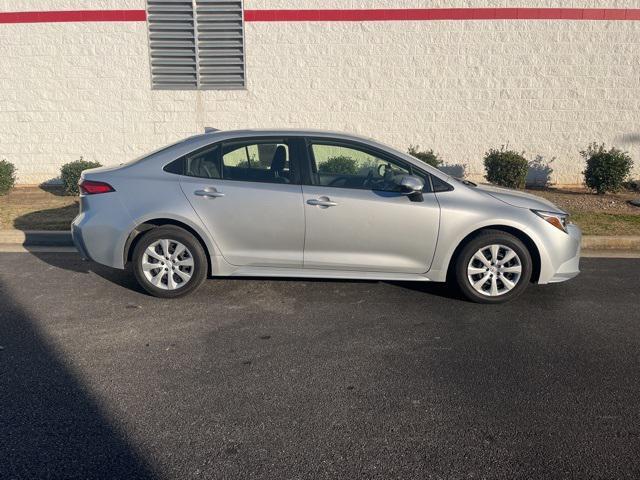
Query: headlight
558	220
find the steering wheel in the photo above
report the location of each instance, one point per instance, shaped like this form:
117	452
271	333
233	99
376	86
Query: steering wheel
367	181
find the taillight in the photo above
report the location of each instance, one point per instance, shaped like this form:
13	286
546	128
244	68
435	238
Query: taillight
91	187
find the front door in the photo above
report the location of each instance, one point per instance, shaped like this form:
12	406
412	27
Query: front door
356	217
248	196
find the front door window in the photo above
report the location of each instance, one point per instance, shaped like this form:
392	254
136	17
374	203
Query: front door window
347	167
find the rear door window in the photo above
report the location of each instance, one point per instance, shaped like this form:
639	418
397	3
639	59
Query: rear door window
258	161
204	164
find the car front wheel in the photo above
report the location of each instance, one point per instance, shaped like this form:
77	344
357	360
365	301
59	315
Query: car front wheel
169	262
494	267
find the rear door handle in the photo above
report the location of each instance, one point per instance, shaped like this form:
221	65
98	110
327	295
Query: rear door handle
213	193
322	202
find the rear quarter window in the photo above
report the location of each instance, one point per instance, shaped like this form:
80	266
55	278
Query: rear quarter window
204	163
177	167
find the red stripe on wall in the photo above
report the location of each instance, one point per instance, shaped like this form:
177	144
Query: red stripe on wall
442	14
74	16
362	15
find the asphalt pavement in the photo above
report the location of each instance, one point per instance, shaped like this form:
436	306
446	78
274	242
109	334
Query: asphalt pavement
299	379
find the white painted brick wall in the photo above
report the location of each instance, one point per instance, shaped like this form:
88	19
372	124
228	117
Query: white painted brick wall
546	87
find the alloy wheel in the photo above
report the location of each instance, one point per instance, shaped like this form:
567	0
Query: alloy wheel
494	270
167	264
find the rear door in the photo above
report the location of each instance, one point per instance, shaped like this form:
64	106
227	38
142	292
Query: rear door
356	218
248	194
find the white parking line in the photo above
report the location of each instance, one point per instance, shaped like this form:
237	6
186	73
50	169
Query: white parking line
17	248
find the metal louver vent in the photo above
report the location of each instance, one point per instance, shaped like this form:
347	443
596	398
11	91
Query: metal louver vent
172	44
220	44
196	44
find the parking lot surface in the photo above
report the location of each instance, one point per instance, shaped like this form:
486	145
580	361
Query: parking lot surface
301	379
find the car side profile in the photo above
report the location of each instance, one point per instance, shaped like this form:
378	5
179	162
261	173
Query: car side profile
315	204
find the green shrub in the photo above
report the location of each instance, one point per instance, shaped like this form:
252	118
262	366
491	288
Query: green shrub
340	164
606	169
70	173
427	156
506	168
7	176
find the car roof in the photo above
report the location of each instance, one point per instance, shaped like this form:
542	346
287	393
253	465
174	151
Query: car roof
218	135
289	132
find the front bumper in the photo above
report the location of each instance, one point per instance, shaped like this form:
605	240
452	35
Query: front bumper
565	256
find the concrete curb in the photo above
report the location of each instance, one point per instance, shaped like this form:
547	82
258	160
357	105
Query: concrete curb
63	239
593	242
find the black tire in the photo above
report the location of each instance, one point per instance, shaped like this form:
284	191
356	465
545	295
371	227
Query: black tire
485	239
198	271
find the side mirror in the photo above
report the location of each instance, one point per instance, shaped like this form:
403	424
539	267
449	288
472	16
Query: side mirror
412	186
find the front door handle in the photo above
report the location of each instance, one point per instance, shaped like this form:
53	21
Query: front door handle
322	202
213	193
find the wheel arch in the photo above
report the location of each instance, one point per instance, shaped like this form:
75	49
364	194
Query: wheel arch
136	234
519	234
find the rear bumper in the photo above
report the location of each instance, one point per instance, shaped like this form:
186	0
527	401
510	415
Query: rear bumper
100	230
78	241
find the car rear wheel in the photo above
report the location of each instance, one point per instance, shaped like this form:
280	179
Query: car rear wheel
494	267
169	262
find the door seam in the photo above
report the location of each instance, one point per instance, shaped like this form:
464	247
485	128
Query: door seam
304	216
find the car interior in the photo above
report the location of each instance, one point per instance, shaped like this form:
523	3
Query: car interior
257	162
265	162
204	164
338	166
332	165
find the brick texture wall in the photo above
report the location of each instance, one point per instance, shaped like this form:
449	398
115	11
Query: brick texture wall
460	87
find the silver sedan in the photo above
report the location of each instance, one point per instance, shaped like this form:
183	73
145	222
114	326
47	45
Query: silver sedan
314	204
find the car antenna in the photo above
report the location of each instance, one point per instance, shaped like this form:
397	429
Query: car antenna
210	130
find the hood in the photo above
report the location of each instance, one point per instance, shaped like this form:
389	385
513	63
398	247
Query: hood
519	199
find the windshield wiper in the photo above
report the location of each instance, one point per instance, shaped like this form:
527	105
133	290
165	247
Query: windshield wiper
468	183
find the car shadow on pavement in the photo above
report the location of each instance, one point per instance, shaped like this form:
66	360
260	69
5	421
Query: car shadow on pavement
52	427
72	262
125	278
438	289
